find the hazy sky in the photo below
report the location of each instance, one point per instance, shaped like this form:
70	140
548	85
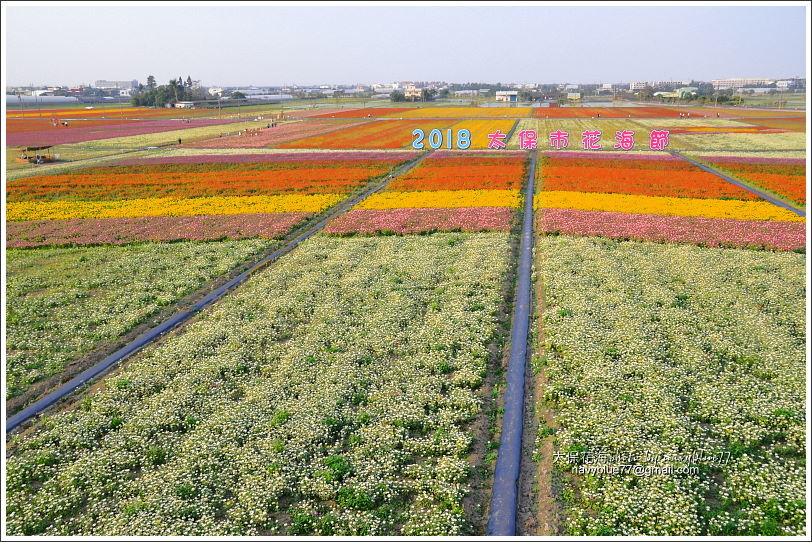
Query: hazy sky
271	45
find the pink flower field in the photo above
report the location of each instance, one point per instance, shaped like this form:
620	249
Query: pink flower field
78	134
675	229
421	220
279	134
119	231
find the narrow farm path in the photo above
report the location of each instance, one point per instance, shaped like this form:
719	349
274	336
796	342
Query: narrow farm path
185	313
504	499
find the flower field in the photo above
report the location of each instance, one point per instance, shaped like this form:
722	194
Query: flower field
232	198
269	137
365	112
355	384
741	142
380	134
644	360
797	124
465	112
113	129
481	128
448	191
784	177
64	302
300	405
604	112
657	197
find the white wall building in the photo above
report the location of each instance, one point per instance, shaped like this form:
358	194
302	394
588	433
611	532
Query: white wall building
721	84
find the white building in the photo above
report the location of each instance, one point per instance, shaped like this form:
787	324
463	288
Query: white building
216	91
124	92
721	84
507	95
573	95
607	86
466	93
412	92
115	85
637	85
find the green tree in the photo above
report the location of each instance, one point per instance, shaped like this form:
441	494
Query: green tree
150	82
237	95
175	88
398	96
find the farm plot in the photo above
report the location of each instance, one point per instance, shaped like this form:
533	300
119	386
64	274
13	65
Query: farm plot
481	128
379	134
740	142
575	127
115	204
603	112
657	197
268	137
187	132
448	191
465	113
64	302
331	394
148	201
365	112
79	132
687	365
785	177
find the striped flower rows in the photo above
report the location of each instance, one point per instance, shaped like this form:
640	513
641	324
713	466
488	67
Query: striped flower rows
444	193
658	199
270	197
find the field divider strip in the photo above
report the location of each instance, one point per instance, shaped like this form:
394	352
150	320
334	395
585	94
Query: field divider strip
504	499
185	313
512	131
740	184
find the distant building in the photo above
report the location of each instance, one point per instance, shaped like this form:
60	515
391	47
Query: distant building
216	91
412	92
183	105
573	95
570	87
722	84
669	84
466	93
126	92
607	86
116	85
507	95
686	92
638	85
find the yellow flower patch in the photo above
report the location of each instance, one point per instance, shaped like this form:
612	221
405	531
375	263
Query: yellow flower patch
624	203
443	198
216	205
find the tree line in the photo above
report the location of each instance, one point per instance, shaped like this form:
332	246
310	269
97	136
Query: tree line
177	90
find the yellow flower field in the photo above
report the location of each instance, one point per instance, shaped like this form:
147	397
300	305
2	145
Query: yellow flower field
216	205
481	128
624	203
443	198
464	113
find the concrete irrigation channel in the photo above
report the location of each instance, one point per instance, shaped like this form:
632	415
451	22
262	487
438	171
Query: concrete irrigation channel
751	189
184	314
504	499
